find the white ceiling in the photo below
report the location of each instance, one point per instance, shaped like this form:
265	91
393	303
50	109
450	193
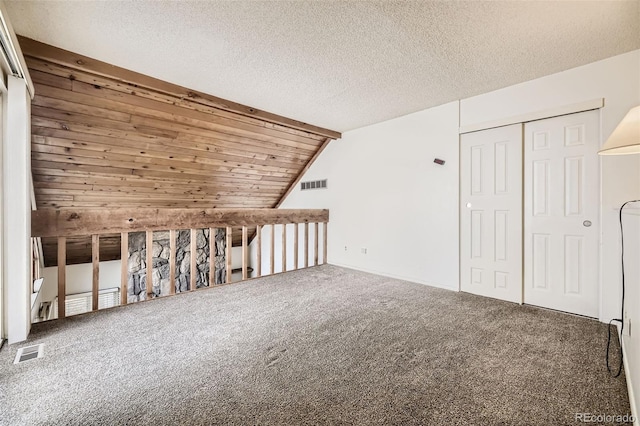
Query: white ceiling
339	64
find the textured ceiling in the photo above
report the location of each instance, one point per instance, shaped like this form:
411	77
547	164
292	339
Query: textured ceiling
340	65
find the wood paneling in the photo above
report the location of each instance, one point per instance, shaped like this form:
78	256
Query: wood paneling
32	48
105	137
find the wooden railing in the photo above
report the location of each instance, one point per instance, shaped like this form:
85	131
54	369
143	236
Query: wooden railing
62	224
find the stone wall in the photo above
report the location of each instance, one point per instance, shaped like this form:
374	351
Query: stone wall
161	251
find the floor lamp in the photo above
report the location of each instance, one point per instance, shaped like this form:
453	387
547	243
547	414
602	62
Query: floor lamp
625	139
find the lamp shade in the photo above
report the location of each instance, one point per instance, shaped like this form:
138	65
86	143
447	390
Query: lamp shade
625	139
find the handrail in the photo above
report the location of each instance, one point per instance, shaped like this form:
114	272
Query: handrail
67	223
93	222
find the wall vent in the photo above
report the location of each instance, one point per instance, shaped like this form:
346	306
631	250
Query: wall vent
313	184
29	352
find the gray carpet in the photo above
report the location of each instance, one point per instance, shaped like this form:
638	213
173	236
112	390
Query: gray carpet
325	345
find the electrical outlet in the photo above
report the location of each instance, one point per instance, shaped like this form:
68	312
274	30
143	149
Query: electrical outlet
345	248
363	250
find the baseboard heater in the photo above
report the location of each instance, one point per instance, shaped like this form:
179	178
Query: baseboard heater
79	303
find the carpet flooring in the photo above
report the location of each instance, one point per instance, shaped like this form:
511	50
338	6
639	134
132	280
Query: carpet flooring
326	345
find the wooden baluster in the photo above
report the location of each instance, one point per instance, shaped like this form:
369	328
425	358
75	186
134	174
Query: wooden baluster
124	267
272	261
259	254
245	254
149	262
172	261
295	246
228	252
324	248
316	244
284	247
193	283
212	257
62	276
306	244
95	257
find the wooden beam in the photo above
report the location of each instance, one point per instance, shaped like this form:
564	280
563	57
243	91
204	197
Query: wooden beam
124	267
306	245
259	251
53	54
272	264
295	246
228	253
302	172
172	261
284	247
193	257
316	243
95	256
149	262
324	242
66	223
245	253
62	276
212	257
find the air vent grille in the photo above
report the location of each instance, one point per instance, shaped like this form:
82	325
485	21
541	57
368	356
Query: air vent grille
313	184
29	352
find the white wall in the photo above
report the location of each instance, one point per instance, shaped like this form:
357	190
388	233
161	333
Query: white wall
3	120
236	262
16	193
266	248
15	220
387	195
631	220
80	278
617	80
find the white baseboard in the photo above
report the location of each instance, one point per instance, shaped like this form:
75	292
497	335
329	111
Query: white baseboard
630	390
397	277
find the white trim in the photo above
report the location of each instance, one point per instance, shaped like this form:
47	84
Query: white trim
627	375
394	276
13	40
532	116
16	206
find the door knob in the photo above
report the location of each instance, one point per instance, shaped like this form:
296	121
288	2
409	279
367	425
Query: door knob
586	223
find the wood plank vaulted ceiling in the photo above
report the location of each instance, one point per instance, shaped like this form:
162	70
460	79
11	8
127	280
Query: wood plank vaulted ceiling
105	137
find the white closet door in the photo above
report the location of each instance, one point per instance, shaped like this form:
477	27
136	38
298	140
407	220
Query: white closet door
491	213
561	213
